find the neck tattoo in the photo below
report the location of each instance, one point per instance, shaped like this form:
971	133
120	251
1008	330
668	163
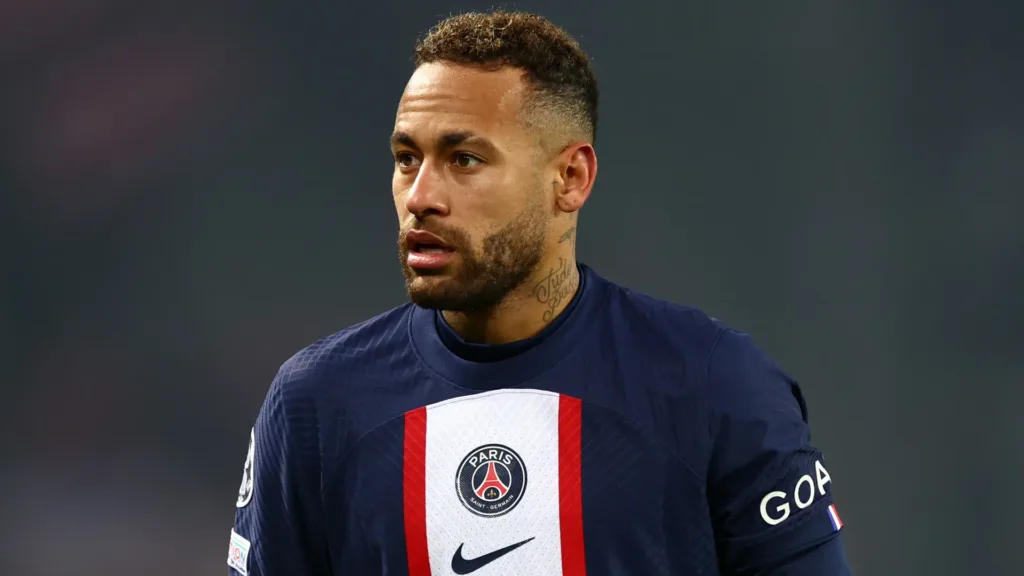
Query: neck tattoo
557	286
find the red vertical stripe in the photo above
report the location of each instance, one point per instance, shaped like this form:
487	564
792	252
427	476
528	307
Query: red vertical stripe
414	492
569	487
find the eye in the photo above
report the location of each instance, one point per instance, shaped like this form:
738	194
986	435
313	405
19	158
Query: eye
465	160
406	160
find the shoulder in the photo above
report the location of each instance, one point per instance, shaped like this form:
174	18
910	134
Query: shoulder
744	382
688	327
665	330
727	363
367	344
326	391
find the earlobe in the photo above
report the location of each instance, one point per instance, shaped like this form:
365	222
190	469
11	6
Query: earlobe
568	203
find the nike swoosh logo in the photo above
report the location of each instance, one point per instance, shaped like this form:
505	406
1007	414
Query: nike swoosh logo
461	565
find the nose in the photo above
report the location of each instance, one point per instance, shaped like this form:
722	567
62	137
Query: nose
427	194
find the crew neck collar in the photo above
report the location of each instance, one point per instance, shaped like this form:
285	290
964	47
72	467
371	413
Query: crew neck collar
492	366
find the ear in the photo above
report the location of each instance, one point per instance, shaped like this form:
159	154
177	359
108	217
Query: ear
577	169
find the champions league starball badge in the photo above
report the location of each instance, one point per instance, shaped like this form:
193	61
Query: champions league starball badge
246	487
491	480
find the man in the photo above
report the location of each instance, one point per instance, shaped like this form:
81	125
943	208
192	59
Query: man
523	415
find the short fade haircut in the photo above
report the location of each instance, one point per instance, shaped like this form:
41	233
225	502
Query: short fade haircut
563	85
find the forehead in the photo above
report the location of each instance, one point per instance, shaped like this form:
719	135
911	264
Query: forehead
442	97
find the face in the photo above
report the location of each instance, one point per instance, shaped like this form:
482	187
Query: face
468	187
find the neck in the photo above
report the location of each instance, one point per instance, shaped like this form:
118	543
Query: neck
527	310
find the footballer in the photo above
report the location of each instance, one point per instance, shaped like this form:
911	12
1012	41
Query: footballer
522	415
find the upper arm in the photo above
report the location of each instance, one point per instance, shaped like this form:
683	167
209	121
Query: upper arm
827	558
278	526
768	488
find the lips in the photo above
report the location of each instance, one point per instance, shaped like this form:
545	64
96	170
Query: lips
427	251
425	242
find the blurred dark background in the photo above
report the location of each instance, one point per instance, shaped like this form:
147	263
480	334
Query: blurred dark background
193	190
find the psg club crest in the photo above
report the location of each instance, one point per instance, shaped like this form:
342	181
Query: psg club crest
491	480
245	489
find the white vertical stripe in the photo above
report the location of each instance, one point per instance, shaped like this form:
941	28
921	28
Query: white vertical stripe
527	422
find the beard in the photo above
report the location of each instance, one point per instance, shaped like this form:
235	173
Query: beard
476	282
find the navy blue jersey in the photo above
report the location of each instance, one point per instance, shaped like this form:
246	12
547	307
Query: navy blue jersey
631	437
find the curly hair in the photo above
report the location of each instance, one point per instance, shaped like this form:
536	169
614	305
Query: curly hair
555	67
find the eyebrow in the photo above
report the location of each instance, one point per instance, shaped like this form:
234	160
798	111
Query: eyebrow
445	141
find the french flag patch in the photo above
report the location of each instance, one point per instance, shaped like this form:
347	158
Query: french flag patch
833	515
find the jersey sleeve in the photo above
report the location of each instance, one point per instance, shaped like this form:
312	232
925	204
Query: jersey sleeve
768	489
278	519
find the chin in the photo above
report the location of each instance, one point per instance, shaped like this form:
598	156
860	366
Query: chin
447	293
425	283
430	290
435	300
